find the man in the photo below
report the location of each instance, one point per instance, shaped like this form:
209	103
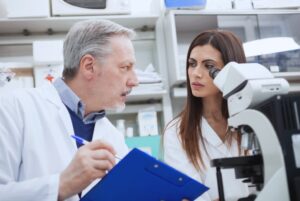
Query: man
38	158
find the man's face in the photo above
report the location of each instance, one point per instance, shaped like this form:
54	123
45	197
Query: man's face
115	75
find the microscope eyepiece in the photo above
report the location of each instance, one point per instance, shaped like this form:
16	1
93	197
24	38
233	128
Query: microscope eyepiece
213	72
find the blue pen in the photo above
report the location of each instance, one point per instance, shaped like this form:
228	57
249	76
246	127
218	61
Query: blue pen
80	140
83	142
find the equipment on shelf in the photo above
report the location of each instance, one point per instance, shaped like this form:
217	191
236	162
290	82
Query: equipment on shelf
5	76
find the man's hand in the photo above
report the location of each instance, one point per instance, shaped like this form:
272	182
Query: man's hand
91	162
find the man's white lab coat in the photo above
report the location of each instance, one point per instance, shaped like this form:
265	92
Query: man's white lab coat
35	144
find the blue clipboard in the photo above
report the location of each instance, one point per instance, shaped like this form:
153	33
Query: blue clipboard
140	177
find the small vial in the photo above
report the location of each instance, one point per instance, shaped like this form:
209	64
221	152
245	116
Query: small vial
129	132
121	126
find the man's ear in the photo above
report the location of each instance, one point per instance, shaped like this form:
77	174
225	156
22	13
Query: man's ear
87	63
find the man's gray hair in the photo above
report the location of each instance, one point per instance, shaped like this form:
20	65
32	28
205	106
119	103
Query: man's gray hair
90	37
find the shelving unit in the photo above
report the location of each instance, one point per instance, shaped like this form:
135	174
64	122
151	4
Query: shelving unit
162	40
179	34
17	36
63	24
183	25
145	96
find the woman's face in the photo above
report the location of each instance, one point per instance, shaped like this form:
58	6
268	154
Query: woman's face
202	58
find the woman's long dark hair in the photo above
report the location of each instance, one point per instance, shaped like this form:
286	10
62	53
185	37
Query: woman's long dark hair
231	49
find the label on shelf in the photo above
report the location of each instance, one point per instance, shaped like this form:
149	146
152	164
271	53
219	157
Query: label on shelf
147	121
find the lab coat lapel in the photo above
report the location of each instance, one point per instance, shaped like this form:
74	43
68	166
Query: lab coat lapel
50	94
212	138
96	135
105	131
98	130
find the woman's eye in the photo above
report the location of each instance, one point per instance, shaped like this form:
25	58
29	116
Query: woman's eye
192	64
209	66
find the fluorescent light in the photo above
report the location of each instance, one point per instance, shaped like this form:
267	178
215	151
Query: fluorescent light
269	46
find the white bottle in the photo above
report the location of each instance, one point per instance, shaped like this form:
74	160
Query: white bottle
147	121
129	132
121	126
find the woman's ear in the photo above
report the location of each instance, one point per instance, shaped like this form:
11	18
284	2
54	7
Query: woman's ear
87	65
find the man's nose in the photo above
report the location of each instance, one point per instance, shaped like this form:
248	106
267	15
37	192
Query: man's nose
133	80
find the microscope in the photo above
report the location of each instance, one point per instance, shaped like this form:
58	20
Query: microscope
268	120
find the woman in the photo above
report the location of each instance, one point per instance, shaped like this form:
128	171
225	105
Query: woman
200	132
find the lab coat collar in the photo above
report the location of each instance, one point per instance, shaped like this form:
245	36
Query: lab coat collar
209	134
211	137
49	92
102	131
74	103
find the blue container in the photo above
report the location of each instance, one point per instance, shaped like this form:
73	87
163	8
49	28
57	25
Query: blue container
191	4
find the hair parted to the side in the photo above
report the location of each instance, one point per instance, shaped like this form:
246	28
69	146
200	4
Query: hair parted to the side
190	133
90	37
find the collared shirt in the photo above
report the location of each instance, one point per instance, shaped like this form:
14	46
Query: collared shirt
73	102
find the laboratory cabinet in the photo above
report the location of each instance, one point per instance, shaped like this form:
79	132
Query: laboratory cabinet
181	26
17	39
248	26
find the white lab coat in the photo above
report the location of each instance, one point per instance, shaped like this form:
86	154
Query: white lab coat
35	144
175	156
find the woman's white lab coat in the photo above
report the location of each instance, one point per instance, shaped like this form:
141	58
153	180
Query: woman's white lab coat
175	156
35	144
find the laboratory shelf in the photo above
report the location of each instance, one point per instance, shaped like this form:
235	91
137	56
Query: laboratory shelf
134	108
63	24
